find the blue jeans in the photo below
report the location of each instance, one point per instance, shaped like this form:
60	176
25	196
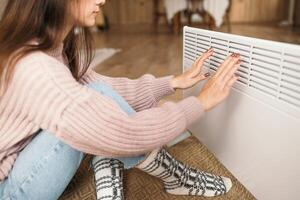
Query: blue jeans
46	165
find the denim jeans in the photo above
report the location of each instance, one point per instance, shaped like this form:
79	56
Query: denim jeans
46	165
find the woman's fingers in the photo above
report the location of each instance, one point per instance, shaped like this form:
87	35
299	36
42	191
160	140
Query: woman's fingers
231	72
223	65
228	68
230	83
198	64
207	54
228	77
203	57
218	88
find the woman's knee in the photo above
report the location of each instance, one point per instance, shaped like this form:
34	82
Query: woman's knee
46	163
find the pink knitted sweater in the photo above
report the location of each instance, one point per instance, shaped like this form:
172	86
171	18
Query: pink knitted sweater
44	94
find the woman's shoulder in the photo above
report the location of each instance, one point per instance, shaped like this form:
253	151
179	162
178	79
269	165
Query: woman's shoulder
37	56
38	67
37	62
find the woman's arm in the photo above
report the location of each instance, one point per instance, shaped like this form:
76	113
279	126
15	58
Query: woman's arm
90	122
146	91
142	93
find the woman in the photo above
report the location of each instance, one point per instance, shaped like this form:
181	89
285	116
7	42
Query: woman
54	108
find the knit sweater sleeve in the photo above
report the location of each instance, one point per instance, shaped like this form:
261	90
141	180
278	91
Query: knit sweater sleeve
142	93
89	121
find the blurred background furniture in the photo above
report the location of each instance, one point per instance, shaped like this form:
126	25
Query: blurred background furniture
145	13
297	14
2	6
219	12
210	12
170	10
158	12
197	7
289	21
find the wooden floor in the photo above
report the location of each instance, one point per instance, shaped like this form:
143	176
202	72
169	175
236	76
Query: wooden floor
159	52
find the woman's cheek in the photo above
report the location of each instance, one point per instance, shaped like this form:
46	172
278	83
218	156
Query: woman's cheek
90	20
84	21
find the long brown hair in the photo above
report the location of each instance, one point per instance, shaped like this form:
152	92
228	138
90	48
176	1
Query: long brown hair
27	20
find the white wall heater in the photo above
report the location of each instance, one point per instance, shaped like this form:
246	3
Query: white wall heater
255	133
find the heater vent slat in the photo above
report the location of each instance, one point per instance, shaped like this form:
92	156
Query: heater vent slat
219	46
202	48
244	70
290	83
265	60
263	81
266	66
205	42
290	100
190	45
191	51
203	36
245	50
288	71
265	73
266	51
291	91
295	78
220	53
268	69
292	62
261	88
190	54
292	55
244	55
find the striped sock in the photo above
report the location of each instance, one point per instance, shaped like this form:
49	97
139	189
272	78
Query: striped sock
108	174
181	179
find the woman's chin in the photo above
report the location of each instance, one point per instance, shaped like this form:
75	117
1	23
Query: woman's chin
88	23
91	23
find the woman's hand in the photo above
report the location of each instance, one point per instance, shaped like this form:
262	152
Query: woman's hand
193	75
217	88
